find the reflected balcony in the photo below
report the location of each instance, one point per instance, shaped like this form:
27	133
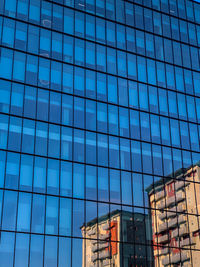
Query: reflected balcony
186	242
164	251
162	227
92	231
106	226
172	212
163	239
180	232
100	246
180	196
159	195
176	258
104	236
181	184
167	214
100	256
174	222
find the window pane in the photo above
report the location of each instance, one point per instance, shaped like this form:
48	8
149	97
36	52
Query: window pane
9	210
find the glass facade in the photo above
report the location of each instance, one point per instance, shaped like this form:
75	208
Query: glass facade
99	133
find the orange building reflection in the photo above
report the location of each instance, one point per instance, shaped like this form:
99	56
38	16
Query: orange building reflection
175	217
167	235
104	237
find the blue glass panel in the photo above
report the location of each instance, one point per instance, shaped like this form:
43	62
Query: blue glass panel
115	191
102	146
51	220
90	27
145	126
65	216
24	212
53	177
79	116
56	72
28	136
3	131
41	138
17	99
184	132
64	252
54	141
136	156
55	107
50	256
133	94
111	60
2	167
91	84
9	210
151	72
91	182
36	250
10	8
175	135
125	154
123	92
12	171
102	117
66	143
68	48
113	119
79	147
138	197
91	115
33	39
141	64
78	219
78	181
110	33
26	173
42	104
38	214
143	97
134	124
167	161
7	248
39	183
66	179
103	191
124	122
112	89
19	67
155	129
6	63
113	152
90	148
5	88
157	160
8	32
67	85
34	11
79	81
146	158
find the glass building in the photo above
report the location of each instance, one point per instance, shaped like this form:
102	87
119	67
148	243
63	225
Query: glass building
99	133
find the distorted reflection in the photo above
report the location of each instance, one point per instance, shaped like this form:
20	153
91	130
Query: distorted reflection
175	209
112	229
167	234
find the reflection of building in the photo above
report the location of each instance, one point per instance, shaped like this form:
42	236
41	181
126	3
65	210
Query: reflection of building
103	245
175	221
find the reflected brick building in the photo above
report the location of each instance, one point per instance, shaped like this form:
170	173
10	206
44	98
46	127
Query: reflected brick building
175	219
111	230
